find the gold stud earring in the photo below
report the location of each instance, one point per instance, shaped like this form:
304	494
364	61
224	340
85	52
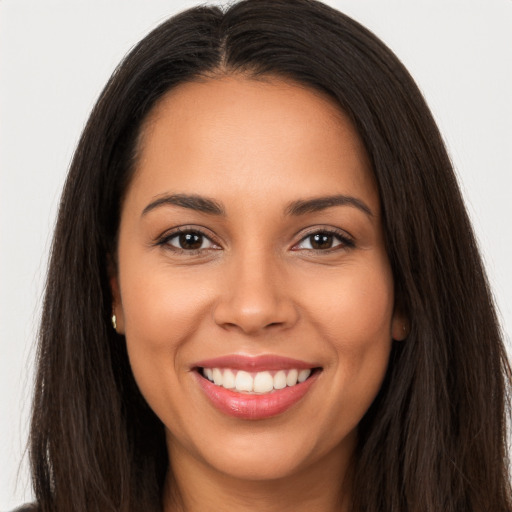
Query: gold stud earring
114	322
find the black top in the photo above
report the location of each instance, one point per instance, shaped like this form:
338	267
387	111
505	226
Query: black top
29	507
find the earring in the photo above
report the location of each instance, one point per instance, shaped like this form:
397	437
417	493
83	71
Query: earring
114	322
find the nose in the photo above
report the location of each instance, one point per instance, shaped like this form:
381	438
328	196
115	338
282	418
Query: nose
255	298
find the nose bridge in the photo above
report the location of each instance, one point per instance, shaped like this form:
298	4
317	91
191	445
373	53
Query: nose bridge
255	296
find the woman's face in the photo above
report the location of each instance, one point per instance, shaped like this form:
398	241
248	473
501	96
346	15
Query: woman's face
251	252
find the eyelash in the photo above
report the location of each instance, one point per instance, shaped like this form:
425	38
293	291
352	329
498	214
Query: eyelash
345	241
164	241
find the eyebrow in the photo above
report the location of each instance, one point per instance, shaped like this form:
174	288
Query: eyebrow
295	208
316	204
192	202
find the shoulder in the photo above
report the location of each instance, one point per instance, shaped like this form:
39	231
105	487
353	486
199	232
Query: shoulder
29	507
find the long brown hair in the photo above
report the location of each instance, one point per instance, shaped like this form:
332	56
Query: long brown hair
435	437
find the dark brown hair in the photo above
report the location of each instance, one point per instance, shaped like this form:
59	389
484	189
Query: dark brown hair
435	437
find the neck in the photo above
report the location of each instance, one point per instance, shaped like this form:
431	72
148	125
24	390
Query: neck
322	486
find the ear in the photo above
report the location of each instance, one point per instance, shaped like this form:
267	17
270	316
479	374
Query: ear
117	305
400	326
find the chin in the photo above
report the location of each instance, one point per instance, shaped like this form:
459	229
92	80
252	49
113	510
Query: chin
266	452
260	463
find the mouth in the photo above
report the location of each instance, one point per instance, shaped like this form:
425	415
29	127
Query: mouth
255	388
268	381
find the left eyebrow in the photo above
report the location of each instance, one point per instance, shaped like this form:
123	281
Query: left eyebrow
316	204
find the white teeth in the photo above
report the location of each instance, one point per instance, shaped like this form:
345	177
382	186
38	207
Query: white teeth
244	381
280	380
257	382
263	382
291	378
228	380
303	375
217	376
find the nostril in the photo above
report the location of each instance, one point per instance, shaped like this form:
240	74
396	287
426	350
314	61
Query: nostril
255	307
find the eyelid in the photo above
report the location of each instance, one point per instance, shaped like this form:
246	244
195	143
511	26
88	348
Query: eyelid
345	239
169	234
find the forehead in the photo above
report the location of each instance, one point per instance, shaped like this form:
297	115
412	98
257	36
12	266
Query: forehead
228	136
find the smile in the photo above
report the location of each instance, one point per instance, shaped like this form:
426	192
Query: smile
255	388
255	382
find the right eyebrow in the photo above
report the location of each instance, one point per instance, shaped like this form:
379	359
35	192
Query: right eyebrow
192	202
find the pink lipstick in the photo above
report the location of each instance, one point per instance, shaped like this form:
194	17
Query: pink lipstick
255	387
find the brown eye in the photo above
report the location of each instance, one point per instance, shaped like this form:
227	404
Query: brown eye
190	241
321	240
325	240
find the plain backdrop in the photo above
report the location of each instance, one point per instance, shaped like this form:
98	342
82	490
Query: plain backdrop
55	57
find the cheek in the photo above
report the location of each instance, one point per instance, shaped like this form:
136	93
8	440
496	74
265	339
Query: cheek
160	306
354	306
353	314
162	310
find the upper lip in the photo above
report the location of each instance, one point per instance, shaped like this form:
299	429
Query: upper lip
255	363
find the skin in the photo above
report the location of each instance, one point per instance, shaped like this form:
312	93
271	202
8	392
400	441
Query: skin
255	287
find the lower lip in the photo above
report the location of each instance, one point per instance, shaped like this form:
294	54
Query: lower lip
255	407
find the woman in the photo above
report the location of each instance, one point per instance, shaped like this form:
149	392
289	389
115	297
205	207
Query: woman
264	289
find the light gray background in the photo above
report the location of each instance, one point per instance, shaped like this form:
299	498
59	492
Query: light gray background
55	57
